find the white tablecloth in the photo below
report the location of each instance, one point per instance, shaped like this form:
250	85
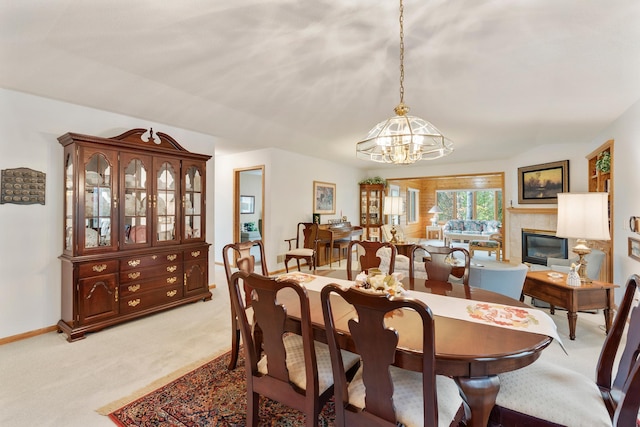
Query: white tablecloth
503	316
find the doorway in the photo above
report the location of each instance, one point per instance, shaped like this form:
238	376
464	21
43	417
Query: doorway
248	194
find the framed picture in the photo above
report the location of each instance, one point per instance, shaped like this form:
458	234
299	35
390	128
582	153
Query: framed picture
634	248
247	204
324	197
542	183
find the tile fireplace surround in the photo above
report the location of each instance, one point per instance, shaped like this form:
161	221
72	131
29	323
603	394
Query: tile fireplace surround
533	218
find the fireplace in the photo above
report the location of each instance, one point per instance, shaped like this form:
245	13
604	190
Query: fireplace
538	245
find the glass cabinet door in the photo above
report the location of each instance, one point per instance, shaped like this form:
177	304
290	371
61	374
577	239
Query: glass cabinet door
193	203
98	199
135	200
165	200
68	201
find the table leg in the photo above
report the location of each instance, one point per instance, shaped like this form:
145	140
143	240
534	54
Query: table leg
480	394
573	318
608	313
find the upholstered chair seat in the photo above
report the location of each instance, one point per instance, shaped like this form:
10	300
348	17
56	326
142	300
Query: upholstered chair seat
407	396
553	393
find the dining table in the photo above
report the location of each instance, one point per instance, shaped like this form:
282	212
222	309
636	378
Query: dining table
471	350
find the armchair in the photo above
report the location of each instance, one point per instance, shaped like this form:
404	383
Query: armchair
306	245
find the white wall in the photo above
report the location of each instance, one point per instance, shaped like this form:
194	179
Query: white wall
625	132
32	234
288	195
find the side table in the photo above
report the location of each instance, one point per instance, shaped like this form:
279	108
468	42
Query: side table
555	291
437	229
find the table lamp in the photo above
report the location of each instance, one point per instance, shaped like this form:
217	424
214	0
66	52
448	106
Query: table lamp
393	205
583	216
435	211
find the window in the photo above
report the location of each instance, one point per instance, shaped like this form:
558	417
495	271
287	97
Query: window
394	190
470	204
413	199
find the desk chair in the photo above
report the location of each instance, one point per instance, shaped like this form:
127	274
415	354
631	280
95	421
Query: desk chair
306	245
239	255
381	394
368	256
547	393
294	370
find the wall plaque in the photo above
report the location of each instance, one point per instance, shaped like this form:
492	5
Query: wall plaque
23	186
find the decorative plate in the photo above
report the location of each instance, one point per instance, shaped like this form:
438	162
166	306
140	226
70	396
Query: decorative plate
90	238
502	315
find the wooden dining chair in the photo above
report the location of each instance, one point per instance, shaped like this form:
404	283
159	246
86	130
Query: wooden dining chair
546	394
368	256
292	369
381	394
306	245
238	255
438	263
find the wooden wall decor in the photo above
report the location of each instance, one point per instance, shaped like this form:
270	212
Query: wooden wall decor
22	186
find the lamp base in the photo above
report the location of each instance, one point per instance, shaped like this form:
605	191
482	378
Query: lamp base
581	249
393	235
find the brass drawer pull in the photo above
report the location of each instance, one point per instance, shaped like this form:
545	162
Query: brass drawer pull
172	268
195	254
134	302
134	263
98	268
172	257
134	275
172	293
133	288
172	280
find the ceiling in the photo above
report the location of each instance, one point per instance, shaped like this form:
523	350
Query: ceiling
496	77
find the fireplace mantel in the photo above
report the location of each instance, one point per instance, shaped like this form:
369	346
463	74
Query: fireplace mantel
541	211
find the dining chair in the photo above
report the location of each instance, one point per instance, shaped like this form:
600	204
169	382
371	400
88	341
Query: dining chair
239	255
440	263
306	245
550	394
293	369
381	394
368	256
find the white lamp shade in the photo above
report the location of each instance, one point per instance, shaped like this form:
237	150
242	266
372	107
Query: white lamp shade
583	216
393	205
435	209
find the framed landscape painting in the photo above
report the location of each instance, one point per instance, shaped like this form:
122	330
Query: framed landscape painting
634	248
542	183
324	197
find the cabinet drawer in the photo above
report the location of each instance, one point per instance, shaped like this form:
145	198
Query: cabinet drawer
95	268
194	254
173	272
153	298
139	287
143	261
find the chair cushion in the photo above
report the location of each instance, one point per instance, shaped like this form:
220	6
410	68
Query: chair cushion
484	243
407	396
301	252
296	366
553	393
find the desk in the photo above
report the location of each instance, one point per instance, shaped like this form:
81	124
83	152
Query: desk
538	284
472	353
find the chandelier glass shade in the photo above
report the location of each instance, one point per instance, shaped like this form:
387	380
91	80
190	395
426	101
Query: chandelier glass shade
403	139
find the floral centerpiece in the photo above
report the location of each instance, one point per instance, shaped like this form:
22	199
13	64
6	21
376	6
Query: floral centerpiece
376	281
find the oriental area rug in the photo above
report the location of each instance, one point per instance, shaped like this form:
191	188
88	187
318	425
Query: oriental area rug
210	395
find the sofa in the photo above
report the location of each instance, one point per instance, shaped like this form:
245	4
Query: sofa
469	229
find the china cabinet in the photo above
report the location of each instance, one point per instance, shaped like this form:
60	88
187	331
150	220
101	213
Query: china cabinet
134	228
600	164
371	196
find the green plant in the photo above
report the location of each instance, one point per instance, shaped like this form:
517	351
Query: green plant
374	180
603	163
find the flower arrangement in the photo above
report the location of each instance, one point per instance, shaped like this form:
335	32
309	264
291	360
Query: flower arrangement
376	281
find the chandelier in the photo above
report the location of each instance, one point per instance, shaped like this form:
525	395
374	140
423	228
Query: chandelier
403	139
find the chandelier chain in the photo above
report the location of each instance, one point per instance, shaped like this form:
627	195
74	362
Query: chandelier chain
401	52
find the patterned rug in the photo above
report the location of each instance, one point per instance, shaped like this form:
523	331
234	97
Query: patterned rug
210	395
